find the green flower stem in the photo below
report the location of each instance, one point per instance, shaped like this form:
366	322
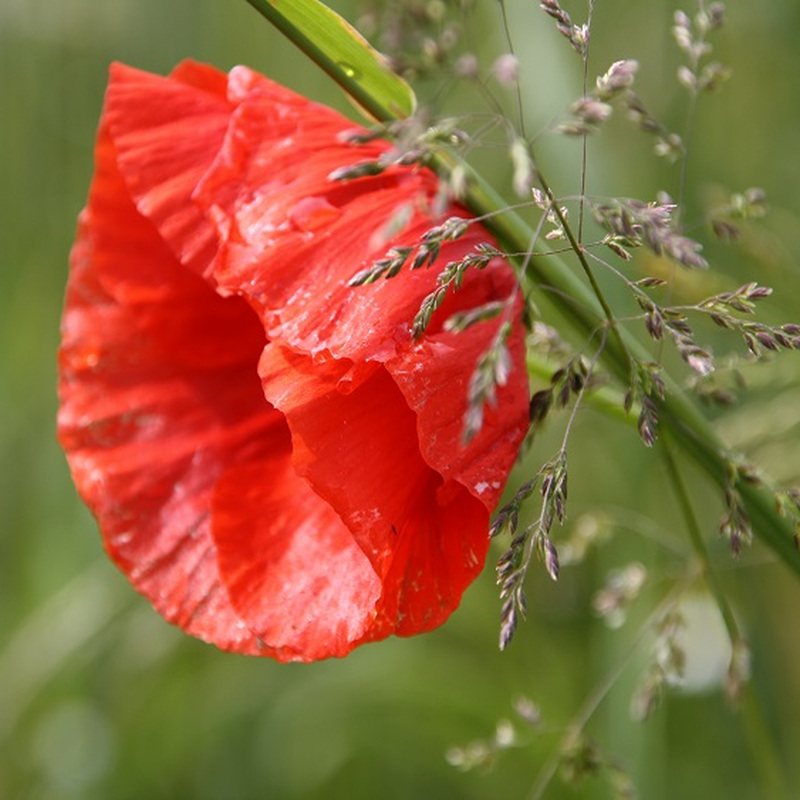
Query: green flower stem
699	544
567	292
761	742
763	747
331	44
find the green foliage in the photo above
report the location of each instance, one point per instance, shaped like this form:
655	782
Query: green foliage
99	698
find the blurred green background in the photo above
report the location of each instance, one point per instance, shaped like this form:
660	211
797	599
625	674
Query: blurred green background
101	699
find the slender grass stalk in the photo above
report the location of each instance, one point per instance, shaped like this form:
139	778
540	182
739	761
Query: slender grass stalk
761	742
601	690
577	248
585	135
518	89
604	399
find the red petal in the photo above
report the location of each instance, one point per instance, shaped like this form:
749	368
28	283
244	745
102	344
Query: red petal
357	446
166	132
292	240
158	396
291	567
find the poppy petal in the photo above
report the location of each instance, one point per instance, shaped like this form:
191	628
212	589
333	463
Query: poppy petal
450	360
290	565
165	144
290	482
357	447
158	393
275	206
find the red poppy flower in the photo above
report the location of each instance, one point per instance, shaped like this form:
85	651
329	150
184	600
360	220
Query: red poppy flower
273	459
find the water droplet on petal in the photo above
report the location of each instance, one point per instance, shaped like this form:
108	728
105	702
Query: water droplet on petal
84	356
312	213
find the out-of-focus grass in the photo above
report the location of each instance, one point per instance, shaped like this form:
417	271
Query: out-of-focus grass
99	698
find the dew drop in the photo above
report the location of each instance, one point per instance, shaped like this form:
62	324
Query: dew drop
312	213
349	70
86	356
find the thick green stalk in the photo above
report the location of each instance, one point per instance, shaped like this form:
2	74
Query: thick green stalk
335	47
566	291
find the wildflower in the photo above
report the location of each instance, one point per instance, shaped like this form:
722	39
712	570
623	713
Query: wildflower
273	459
